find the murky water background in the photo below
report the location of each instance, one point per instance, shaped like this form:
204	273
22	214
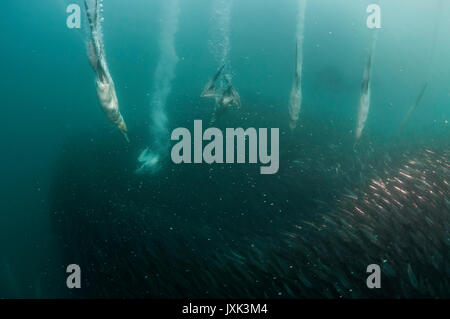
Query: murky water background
70	193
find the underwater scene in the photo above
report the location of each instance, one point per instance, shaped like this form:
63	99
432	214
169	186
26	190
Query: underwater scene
225	149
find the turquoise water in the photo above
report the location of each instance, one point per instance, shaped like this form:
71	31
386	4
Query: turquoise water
70	192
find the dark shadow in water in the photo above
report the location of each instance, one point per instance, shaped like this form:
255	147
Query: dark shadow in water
227	231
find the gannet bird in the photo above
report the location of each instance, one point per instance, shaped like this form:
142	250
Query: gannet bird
106	91
224	98
210	89
364	100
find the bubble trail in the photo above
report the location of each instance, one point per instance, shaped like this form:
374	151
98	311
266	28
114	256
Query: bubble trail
220	87
220	45
431	57
295	100
151	157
